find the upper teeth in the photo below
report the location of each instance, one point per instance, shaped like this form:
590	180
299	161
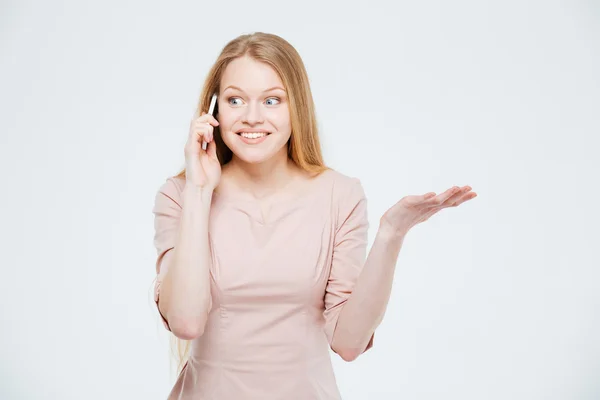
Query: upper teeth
252	135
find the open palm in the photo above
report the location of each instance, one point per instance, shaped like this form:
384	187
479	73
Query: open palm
414	209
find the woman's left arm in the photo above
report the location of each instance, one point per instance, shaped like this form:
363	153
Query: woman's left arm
364	310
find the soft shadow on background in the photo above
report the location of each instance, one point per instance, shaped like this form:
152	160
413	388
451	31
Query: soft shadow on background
497	299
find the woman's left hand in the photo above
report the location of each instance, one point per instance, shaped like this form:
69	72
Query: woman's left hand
412	210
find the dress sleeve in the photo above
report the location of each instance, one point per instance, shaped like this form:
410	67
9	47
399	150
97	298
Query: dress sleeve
167	212
349	254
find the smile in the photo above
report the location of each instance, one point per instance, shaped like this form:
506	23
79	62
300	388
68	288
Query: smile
253	137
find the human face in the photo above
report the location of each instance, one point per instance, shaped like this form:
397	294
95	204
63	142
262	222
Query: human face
252	99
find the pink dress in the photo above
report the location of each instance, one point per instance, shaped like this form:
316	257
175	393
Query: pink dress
277	288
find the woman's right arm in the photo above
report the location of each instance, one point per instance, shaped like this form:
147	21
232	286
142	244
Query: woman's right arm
185	298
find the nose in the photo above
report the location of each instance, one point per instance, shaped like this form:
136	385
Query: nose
253	115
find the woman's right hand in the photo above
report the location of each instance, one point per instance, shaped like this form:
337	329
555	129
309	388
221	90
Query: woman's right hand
202	167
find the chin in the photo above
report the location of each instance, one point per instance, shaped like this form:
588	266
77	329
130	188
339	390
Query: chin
251	157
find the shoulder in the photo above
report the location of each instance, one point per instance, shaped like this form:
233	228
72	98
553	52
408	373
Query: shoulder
345	187
348	198
171	187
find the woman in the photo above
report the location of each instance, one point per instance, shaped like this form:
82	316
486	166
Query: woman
261	247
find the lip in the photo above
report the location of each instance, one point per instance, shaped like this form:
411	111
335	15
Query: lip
253	141
249	130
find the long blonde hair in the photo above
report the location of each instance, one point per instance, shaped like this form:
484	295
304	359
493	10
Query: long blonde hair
304	148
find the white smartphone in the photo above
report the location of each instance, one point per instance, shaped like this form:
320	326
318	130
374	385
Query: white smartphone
211	111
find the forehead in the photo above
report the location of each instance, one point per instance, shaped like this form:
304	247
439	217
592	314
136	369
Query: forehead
250	75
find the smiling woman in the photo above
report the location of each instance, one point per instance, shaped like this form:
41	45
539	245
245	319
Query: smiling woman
261	247
254	306
262	87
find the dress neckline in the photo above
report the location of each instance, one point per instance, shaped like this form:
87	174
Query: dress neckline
288	198
309	186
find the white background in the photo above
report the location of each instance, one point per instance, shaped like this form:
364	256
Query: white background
497	299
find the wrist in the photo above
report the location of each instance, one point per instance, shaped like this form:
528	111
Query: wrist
197	192
390	233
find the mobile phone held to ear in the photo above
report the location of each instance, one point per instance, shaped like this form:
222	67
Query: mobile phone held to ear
211	111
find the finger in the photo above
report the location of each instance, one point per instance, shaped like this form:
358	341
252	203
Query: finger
210	133
212	149
423	199
204	130
207	128
213	121
201	137
462	195
207	118
465	197
454	198
441	199
416	200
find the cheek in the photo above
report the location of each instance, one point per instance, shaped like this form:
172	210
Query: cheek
281	119
226	119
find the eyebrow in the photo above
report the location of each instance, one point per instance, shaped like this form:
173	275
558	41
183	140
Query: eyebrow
268	90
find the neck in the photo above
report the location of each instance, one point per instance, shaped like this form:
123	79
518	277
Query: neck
261	179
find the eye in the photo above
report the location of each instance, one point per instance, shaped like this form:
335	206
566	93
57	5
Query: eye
232	98
273	98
